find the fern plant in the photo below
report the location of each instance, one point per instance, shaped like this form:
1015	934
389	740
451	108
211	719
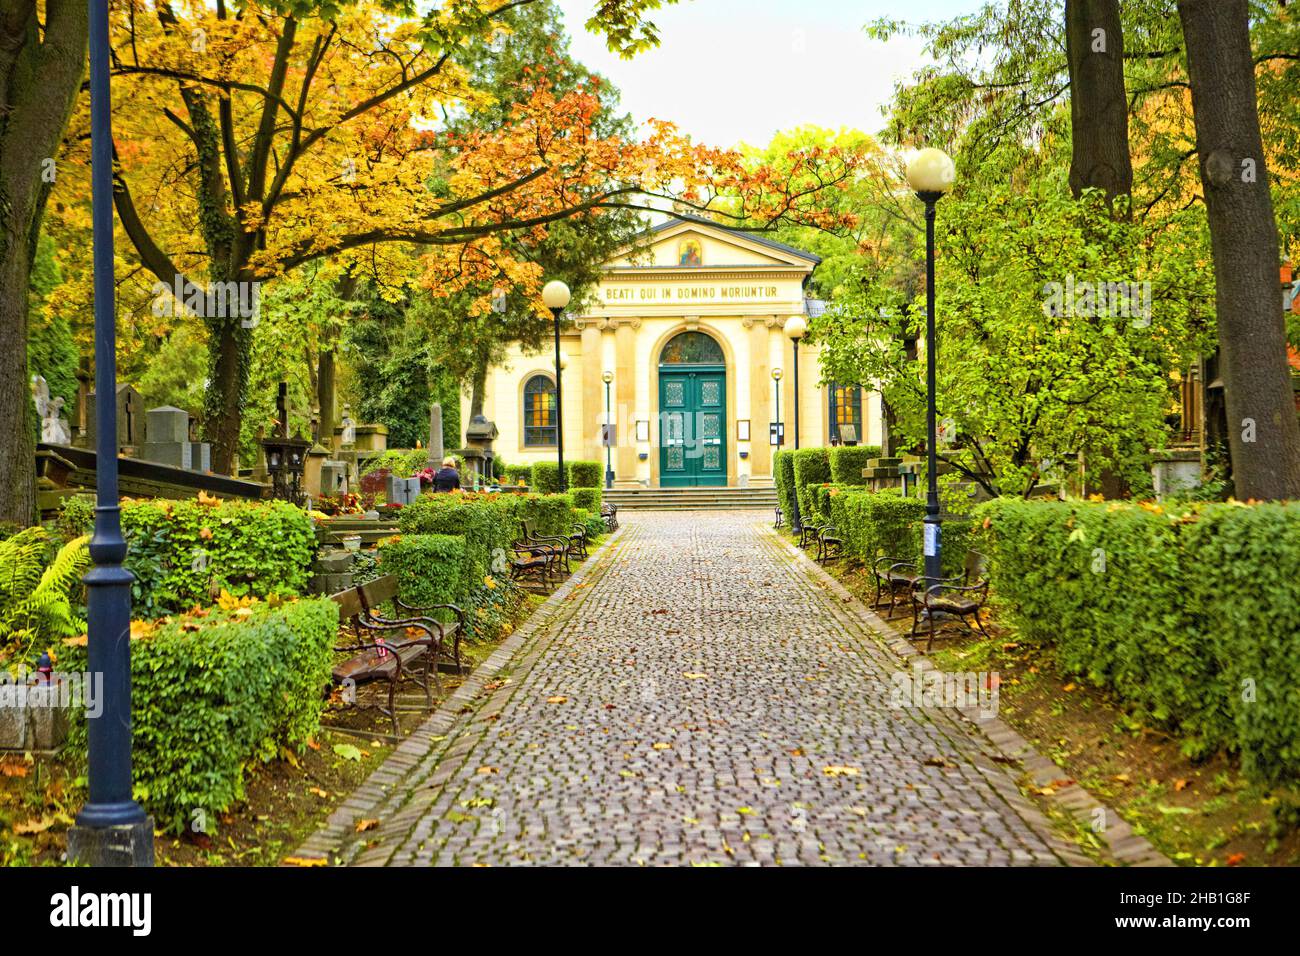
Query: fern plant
35	600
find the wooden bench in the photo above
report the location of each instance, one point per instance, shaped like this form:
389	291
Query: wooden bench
561	545
829	547
610	515
384	648
958	597
534	559
892	575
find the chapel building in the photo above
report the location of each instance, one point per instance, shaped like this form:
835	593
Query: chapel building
688	326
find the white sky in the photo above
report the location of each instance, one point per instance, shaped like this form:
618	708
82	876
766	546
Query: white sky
729	71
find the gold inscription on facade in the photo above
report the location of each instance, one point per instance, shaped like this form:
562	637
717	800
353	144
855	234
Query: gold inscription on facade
693	293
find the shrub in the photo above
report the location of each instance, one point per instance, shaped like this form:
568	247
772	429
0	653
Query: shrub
430	568
550	514
215	692
847	463
546	477
588	498
811	467
876	523
592	522
586	474
183	553
402	462
520	473
489	523
783	478
1189	614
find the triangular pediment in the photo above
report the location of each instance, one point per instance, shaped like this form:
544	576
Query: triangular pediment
696	243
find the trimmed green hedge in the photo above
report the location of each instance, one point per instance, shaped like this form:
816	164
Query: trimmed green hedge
873	524
847	463
811	467
184	553
520	473
586	498
488	523
1188	614
216	692
430	568
546	478
586	474
783	478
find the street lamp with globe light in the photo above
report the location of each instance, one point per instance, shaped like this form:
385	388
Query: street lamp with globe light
608	377
931	174
555	296
795	329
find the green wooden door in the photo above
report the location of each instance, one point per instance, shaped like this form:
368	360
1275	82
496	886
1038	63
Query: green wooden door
692	428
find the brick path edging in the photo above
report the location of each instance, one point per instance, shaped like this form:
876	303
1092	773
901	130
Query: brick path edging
338	834
1124	846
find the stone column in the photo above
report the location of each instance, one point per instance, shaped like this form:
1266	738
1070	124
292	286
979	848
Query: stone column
625	398
593	394
760	399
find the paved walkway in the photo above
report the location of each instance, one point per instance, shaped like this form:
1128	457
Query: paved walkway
700	697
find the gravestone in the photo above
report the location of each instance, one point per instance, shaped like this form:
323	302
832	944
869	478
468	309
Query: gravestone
401	491
169	442
333	477
436	453
131	430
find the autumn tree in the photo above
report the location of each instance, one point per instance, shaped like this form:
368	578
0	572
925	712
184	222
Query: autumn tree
42	58
265	139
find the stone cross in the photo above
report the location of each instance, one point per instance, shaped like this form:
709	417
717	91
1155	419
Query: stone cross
435	436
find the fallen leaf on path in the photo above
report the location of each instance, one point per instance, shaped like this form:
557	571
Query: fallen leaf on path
557	699
348	751
486	770
364	825
302	860
836	771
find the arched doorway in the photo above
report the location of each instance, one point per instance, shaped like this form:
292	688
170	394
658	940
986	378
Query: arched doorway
692	412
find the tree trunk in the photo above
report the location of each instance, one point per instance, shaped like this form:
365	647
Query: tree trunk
1263	431
38	81
229	356
325	388
1094	41
17	451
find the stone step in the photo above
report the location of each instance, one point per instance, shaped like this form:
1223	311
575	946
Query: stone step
692	499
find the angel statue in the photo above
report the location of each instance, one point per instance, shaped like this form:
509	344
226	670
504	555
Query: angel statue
54	430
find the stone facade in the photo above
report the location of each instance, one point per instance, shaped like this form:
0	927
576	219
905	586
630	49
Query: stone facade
690	276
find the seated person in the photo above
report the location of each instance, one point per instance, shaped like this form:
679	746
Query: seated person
447	478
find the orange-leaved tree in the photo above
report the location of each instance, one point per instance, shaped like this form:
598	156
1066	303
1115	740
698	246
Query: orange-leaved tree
261	139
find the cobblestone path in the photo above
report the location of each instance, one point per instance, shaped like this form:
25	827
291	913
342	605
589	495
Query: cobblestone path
701	697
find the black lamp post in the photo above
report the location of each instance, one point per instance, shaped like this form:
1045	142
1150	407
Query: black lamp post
776	382
556	297
931	173
795	329
111	829
609	463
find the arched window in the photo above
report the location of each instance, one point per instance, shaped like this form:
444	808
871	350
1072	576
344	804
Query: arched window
539	411
692	348
846	409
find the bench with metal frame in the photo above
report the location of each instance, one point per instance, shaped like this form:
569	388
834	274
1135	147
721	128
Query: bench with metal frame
892	575
961	596
388	658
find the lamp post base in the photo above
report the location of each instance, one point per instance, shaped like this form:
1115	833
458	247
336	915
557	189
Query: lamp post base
127	845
